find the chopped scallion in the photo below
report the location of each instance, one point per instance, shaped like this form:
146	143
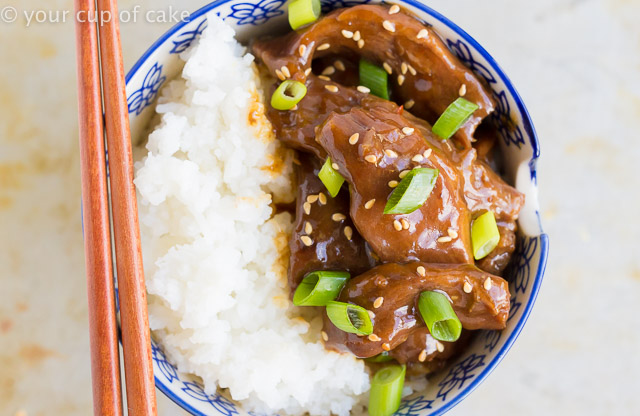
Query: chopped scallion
288	94
374	78
330	177
319	288
350	318
386	390
485	235
453	118
303	12
438	314
412	191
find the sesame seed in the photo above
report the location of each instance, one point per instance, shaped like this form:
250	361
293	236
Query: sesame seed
285	71
403	68
294	108
386	346
400	79
337	217
371	158
405	224
369	204
354	138
339	65
394	9
324	78
322	198
361	43
452	233
439	346
306	240
427	153
445	239
463	90
307	72
374	338
324	46
392	184
347	34
423	356
421	271
418	158
397	225
487	284
331	88
312	198
467	287
387	25
307	208
325	337
363	89
404	173
348	232
412	70
378	302
308	228
357	36
424	33
280	75
387	68
409	104
335	166
302	49
391	153
408	130
371	314
329	70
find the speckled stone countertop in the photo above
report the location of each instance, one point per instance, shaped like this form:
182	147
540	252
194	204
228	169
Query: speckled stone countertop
577	66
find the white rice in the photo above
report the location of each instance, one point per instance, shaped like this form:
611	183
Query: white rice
216	256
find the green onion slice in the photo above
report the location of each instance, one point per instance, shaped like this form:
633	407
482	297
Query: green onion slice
349	318
485	235
386	390
374	78
412	191
303	12
288	94
318	288
437	313
453	118
383	357
330	177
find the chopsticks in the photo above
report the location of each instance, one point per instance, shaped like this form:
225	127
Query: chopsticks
132	294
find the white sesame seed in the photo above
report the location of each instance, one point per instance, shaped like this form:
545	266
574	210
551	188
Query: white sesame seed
308	228
306	240
324	78
463	90
467	287
412	70
394	9
397	225
307	208
339	65
488	283
418	158
391	153
386	346
404	173
312	198
302	49
363	89
408	130
392	184
423	356
354	138
371	158
361	43
421	271
280	75
337	217
331	88
329	70
452	233
374	338
369	204
307	72
348	232
322	198
347	34
387	25
324	46
387	68
285	71
371	314
335	166
427	153
409	104
357	36
403	68
439	346
294	108
400	79
405	224
424	33
378	302
445	239
325	337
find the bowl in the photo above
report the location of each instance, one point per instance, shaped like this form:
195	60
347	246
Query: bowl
520	147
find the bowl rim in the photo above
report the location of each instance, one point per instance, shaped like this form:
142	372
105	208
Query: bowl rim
535	144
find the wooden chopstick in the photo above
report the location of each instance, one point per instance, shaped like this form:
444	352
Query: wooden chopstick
138	368
105	361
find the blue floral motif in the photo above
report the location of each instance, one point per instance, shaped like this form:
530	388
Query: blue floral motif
166	368
223	405
462	51
414	407
328	5
514	306
256	14
185	39
144	96
491	339
525	250
459	374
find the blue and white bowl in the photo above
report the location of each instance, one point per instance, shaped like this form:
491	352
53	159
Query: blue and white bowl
251	18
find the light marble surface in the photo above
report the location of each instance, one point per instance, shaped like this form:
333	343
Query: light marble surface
575	62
